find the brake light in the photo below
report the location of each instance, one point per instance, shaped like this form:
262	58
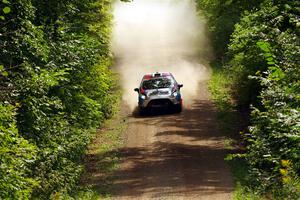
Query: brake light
147	77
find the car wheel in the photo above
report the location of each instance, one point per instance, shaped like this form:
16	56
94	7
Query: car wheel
142	111
178	108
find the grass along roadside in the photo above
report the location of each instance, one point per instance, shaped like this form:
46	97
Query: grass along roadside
230	123
101	159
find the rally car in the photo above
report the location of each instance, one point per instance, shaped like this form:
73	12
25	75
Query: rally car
159	90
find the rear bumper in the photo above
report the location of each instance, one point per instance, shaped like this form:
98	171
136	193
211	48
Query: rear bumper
159	102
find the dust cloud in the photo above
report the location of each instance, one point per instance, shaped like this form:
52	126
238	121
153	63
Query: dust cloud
164	36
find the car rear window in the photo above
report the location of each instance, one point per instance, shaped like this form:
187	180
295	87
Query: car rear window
155	83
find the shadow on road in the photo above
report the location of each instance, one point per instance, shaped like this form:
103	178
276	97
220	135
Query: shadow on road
185	157
171	170
152	113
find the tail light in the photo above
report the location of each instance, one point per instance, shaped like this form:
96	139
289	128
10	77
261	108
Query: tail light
142	91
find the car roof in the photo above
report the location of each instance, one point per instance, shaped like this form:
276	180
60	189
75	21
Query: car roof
156	75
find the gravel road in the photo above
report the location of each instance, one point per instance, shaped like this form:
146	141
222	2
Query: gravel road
175	156
168	156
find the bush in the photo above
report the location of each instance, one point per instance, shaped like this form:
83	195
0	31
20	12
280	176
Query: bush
273	23
222	15
263	62
16	157
274	152
54	63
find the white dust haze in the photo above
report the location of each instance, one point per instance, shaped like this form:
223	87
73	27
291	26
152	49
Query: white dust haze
164	36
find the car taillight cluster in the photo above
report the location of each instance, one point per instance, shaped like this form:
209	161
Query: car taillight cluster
142	91
147	77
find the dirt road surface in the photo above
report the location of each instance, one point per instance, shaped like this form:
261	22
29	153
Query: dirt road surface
168	156
175	156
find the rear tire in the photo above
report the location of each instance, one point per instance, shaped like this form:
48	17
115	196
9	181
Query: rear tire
142	111
178	108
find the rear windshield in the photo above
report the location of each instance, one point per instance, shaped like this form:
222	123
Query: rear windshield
155	83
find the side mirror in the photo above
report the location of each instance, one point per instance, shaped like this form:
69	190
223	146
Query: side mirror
136	89
180	85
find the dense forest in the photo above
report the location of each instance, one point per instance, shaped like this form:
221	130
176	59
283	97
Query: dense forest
257	44
56	88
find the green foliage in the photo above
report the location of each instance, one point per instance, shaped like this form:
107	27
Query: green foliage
273	68
263	64
16	155
219	86
222	15
274	23
5	10
274	149
54	61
